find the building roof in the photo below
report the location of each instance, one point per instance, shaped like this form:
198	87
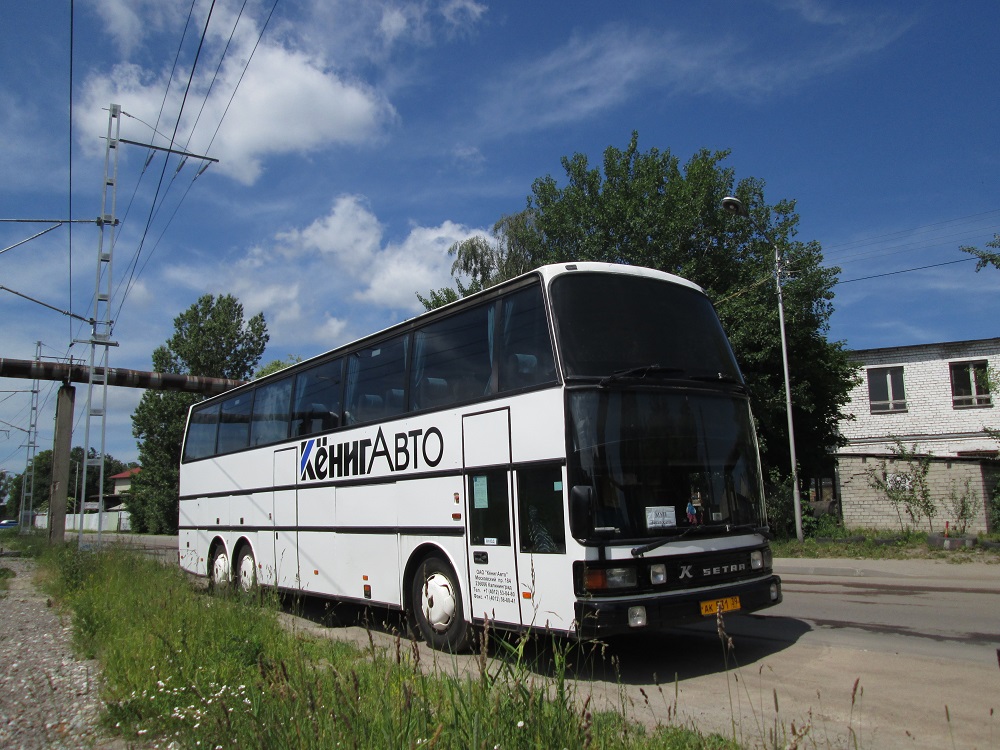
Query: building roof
945	347
127	473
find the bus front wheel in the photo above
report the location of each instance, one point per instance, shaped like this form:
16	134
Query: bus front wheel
437	606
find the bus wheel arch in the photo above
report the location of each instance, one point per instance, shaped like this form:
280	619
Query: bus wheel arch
220	567
436	603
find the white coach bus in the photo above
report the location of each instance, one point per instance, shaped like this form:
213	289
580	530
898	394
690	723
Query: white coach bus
571	450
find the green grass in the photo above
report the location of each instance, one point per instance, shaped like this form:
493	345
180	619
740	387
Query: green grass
201	670
831	540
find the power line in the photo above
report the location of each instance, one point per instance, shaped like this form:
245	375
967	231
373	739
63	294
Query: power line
906	270
173	138
871	240
136	269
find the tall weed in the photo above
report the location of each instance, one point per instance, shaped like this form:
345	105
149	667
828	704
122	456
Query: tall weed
199	670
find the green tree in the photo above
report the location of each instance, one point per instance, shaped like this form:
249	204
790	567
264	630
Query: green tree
515	248
647	209
211	339
986	257
43	480
276	365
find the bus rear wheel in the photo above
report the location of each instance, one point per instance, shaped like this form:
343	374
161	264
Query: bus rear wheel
219	573
246	569
437	606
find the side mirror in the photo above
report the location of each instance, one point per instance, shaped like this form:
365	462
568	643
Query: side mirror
581	511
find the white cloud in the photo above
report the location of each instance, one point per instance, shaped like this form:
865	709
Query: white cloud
419	263
288	102
592	73
337	276
393	24
351	232
130	22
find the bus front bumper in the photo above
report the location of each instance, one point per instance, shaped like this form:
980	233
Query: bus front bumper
597	618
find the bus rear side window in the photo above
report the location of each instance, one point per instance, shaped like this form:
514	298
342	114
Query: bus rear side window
202	430
270	413
234	423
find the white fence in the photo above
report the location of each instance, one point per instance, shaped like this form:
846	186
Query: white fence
118	520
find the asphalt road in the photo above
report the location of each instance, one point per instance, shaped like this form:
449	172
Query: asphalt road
919	638
863	654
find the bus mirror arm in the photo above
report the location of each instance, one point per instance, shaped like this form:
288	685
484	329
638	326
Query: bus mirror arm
581	511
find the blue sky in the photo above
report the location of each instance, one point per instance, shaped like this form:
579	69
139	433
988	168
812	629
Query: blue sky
365	137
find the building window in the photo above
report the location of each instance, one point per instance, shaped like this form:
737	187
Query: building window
969	385
885	389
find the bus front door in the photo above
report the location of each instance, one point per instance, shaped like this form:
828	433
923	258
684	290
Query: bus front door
492	564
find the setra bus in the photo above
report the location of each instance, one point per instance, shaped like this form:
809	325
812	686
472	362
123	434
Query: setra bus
571	450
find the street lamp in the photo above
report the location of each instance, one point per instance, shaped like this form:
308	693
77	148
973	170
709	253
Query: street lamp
735	207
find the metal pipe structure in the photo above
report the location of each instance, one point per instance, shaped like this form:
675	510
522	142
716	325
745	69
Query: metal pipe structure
117	376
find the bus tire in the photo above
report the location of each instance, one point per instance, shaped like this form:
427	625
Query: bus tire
246	570
219	572
437	606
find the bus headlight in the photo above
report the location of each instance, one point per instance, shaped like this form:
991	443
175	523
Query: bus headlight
657	574
757	560
637	617
610	578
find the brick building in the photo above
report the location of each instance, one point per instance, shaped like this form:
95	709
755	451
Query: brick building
935	398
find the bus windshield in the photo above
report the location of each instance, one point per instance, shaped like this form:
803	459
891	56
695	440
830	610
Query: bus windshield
663	463
610	324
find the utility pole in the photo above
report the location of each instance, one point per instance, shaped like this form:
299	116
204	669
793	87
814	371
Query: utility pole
101	323
27	519
61	448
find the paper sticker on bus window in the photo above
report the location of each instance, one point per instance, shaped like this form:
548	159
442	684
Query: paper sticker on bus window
557	486
661	517
490	540
480	496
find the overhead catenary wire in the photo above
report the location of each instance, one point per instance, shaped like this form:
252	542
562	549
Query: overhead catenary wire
136	269
157	201
173	138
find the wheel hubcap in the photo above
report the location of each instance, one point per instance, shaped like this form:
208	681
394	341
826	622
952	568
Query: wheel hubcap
246	573
220	568
438	602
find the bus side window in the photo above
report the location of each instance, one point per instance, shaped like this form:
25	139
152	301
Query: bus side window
452	359
489	509
271	413
234	423
376	381
525	347
540	509
202	430
317	399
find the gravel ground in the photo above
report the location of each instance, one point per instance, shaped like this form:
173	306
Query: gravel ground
48	697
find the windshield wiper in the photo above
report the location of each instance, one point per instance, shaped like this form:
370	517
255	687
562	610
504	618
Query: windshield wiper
638	373
640	551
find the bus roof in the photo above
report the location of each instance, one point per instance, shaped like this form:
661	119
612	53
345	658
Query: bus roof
547	273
